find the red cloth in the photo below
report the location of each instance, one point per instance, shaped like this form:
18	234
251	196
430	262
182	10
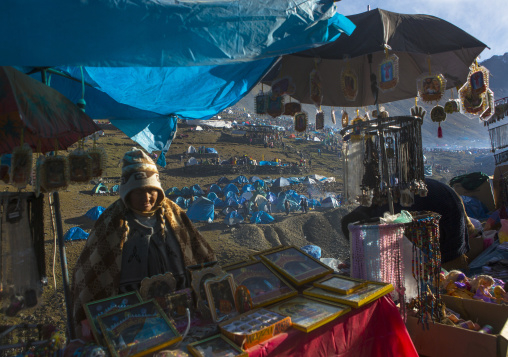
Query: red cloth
374	330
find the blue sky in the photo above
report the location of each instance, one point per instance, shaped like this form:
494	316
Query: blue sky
486	20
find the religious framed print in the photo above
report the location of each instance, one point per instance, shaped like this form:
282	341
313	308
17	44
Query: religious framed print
177	304
320	120
98	308
307	313
215	346
138	330
349	84
370	292
389	73
296	265
292	108
340	284
220	295
264	285
198	286
157	287
431	87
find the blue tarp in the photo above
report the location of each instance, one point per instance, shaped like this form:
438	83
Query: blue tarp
241	179
215	188
312	250
271	197
219	203
259	184
268	163
261	217
280	182
94	213
232	201
186	191
211	151
182	202
232	194
233	218
254	179
248	188
201	209
223	181
173	191
75	233
475	208
162	49
196	190
115	188
230	188
211	196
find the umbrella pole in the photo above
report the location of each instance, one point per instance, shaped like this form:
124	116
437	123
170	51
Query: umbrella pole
63	263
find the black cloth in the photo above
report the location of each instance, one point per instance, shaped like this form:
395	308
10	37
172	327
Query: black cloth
442	199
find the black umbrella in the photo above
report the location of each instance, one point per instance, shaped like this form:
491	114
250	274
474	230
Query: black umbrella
415	39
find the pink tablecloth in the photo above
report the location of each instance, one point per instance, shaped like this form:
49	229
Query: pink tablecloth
372	330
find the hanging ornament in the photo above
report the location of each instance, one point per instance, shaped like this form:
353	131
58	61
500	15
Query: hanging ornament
345	118
320	120
292	108
474	94
388	71
54	173
357	131
452	105
334	120
261	101
349	83
275	106
478	79
489	112
80	166
431	86
21	165
282	86
418	111
301	121
437	115
98	156
382	113
316	93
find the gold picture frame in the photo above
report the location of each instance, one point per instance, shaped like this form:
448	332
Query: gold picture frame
138	330
296	265
340	284
217	345
198	280
220	293
257	256
308	313
157	286
370	292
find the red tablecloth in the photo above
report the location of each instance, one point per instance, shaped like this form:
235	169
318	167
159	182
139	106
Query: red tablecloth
375	329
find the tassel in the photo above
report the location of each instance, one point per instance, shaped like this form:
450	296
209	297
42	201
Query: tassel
439	131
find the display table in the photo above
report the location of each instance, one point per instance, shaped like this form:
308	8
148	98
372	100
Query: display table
375	329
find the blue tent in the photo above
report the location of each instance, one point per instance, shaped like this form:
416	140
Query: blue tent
75	233
100	188
215	188
232	194
219	203
173	191
280	182
254	179
261	217
329	202
223	181
241	179
211	196
186	191
271	197
230	188
182	202
232	201
314	203
233	218
115	188
197	191
94	213
294	180
248	188
259	184
211	151
201	210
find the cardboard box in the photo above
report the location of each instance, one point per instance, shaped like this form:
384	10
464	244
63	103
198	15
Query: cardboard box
445	340
483	193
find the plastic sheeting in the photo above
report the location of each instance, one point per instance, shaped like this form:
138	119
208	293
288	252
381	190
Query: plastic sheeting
201	210
261	217
75	233
95	212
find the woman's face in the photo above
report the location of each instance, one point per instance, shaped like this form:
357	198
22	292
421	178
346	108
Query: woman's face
143	199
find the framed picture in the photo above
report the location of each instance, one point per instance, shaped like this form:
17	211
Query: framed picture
360	297
215	346
157	287
138	330
198	286
308	313
177	304
264	285
257	256
296	265
340	284
388	73
220	295
98	308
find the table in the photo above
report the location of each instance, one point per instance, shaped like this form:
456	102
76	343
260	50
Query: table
375	329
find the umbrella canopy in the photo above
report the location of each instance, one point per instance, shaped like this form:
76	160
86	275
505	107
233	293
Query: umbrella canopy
43	117
413	38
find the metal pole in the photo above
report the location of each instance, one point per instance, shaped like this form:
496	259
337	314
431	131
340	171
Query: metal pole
63	263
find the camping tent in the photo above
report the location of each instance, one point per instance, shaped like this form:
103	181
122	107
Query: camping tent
230	188
115	188
232	201
174	191
201	209
192	161
261	217
271	197
219	203
191	150
182	202
211	151
329	202
75	233
248	188
100	188
211	196
223	181
186	191
233	218
254	179
197	191
280	182
95	212
259	184
215	189
247	195
261	201
232	194
198	128
240	179
309	181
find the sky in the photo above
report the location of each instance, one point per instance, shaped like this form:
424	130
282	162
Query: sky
486	20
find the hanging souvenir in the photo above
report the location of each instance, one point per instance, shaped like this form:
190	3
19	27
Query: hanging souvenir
388	71
261	101
489	112
98	156
431	87
301	121
478	79
437	115
282	86
452	105
54	173
21	165
356	134
382	113
316	93
474	93
80	166
320	120
292	108
472	103
275	106
334	120
418	111
345	118
349	83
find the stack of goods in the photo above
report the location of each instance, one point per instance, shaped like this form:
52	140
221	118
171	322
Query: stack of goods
481	287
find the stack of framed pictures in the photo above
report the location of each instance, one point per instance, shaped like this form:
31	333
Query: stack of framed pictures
335	289
264	285
296	265
217	345
309	313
